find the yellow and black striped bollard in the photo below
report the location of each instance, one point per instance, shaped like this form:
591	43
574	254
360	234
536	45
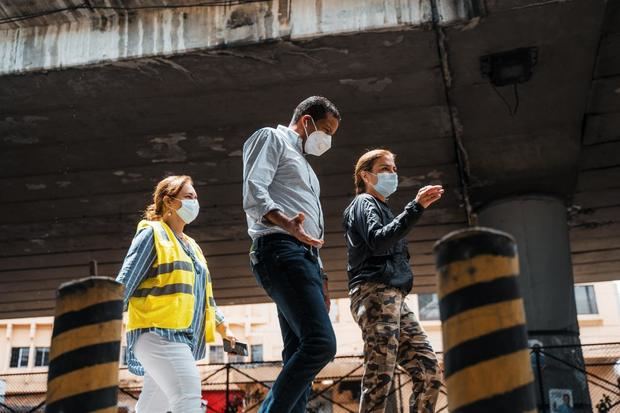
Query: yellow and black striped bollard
84	357
486	358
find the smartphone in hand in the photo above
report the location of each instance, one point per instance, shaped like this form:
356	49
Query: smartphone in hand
240	348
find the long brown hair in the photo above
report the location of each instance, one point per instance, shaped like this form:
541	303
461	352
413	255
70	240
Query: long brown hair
170	186
365	163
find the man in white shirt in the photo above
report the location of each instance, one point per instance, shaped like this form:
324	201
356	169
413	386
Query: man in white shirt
285	221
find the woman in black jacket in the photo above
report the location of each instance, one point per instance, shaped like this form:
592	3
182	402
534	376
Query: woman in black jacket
379	280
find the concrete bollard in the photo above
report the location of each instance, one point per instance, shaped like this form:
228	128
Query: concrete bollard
84	357
486	358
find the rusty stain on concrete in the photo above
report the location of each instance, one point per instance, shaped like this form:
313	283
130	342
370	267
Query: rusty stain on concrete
213	143
132	177
21	140
36	187
399	39
368	85
81	38
420	180
165	149
240	17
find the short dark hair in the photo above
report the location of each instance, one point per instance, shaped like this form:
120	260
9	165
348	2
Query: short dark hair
316	106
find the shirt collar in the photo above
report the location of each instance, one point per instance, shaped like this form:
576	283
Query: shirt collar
292	136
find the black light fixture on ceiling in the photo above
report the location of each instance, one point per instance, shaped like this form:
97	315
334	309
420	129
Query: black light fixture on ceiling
510	67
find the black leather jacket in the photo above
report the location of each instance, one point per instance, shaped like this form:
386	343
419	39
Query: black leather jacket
377	244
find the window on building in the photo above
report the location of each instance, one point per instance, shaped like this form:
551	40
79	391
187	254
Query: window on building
257	352
428	307
124	356
42	357
19	357
585	299
333	312
216	354
235	358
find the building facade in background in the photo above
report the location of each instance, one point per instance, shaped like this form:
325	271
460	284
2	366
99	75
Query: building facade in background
24	343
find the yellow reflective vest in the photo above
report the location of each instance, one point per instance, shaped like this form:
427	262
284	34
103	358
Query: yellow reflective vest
165	298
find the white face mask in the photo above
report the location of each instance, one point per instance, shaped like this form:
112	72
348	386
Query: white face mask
318	142
189	210
387	183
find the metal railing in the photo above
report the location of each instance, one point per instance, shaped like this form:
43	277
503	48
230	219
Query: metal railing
601	371
241	386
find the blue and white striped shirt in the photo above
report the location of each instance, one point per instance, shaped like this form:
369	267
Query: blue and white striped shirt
138	263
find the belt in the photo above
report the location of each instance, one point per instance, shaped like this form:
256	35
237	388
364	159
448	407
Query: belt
278	236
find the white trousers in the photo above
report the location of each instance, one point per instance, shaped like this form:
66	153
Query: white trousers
171	379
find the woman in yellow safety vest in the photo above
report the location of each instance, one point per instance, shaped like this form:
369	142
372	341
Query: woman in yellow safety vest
169	299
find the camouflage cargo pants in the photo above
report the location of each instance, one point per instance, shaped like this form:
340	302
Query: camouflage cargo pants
393	335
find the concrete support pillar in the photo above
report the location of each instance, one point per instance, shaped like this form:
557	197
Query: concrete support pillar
539	225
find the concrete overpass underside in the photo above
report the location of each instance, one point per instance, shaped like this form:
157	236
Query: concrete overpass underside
82	146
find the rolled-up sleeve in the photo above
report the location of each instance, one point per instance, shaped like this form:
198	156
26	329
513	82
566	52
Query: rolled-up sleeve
219	316
261	155
138	262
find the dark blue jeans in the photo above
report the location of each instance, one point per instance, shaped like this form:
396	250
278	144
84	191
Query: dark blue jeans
290	274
